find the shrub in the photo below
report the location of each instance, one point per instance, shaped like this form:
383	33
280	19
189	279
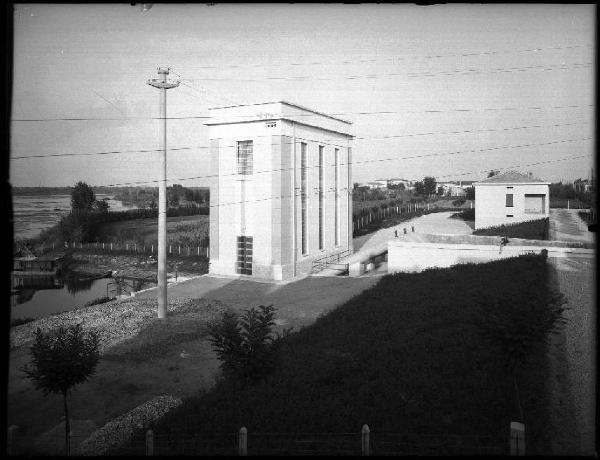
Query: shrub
459	202
467	214
244	344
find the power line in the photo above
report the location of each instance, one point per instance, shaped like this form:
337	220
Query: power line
315	140
380	112
394	59
544	67
378	160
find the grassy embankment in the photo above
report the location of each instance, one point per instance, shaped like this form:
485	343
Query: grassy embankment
532	230
402	357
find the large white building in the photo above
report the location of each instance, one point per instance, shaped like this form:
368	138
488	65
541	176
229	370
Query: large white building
509	198
280	191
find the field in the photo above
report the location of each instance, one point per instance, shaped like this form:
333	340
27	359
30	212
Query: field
419	364
184	230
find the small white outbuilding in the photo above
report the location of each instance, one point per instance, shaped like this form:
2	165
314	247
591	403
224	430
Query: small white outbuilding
509	198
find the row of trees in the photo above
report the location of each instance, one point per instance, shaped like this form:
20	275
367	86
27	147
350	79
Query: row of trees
177	195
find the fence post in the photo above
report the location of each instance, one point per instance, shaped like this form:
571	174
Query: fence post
198	251
169	249
111	246
243	442
126	246
207	252
517	439
11	448
149	443
179	249
152	250
365	440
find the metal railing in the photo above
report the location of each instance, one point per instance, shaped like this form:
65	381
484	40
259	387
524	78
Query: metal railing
331	261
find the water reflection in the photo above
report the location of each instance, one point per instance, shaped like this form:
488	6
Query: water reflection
76	283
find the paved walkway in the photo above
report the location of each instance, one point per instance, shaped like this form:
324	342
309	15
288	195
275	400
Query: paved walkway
298	303
566	225
572	354
376	243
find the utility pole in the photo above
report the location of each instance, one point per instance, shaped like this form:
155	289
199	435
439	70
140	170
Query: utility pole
162	84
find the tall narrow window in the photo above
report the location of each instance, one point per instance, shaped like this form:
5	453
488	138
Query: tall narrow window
337	198
320	197
509	200
244	157
303	196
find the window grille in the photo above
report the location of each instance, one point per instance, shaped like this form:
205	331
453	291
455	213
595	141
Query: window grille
243	264
244	157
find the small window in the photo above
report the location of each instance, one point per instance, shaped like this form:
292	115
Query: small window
271	124
244	157
510	215
509	200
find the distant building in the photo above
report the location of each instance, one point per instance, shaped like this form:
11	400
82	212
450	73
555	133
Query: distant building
281	191
509	198
378	184
452	189
407	183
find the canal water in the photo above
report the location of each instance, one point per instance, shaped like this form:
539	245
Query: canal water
44	296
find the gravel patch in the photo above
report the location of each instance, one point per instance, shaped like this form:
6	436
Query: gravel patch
116	321
120	430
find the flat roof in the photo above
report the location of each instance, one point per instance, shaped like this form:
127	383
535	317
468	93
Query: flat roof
291	104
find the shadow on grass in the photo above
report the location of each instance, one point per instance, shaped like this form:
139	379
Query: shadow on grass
161	337
406	357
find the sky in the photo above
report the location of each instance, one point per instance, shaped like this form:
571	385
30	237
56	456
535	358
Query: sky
450	91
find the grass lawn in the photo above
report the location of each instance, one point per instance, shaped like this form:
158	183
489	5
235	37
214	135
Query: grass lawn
402	357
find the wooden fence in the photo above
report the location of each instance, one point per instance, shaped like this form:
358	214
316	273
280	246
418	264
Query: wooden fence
361	221
129	248
365	443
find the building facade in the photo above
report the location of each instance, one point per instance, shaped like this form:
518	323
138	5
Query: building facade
280	191
509	198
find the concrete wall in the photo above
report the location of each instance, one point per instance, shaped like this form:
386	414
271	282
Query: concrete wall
491	209
313	138
409	256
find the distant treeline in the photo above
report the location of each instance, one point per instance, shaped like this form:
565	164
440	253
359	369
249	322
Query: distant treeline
142	197
177	195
